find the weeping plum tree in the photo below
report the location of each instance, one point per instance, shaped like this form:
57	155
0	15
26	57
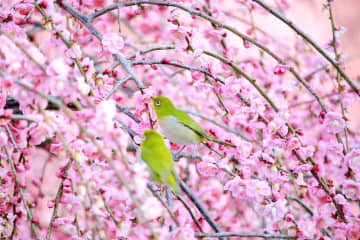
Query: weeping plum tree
77	80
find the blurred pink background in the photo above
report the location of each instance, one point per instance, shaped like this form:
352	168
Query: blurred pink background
347	14
311	17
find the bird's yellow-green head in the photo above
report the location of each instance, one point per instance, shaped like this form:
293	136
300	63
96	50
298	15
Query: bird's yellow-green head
151	137
163	107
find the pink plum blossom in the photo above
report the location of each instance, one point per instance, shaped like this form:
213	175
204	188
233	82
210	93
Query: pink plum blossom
112	42
280	69
334	123
207	167
352	160
351	189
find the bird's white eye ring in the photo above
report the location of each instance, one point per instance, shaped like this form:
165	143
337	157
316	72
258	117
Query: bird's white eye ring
157	103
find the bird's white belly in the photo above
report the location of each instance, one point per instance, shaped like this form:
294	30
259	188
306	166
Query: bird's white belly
177	132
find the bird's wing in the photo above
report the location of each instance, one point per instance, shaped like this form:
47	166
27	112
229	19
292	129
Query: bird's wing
158	158
189	122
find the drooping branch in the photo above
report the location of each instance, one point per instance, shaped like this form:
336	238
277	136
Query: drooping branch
75	157
302	203
216	23
200	207
25	51
186	205
20	188
247	77
308	39
177	64
57	200
87	22
61	36
337	57
220	124
170	203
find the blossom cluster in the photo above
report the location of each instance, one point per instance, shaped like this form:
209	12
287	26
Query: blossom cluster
76	82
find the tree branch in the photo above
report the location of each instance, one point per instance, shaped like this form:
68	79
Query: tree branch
200	207
186	205
21	190
177	64
151	49
234	234
302	203
337	57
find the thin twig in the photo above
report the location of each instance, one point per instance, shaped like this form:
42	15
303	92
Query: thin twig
311	100
12	139
107	208
170	202
76	220
222	125
235	16
150	49
177	64
247	77
116	86
21	190
323	185
340	90
20	117
51	106
24	50
167	206
57	199
302	203
127	112
186	205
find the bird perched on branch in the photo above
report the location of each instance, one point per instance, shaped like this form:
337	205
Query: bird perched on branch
159	159
178	126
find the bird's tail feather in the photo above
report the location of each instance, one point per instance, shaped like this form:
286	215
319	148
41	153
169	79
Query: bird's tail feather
174	183
210	138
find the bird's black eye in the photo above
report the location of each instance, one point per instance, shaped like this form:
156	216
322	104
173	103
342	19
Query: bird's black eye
157	103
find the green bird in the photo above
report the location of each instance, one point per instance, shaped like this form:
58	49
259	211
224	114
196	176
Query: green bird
159	159
178	126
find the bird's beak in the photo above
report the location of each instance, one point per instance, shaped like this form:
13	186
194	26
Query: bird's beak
152	98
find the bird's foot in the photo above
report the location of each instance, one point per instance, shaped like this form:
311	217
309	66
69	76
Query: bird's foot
177	154
193	154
